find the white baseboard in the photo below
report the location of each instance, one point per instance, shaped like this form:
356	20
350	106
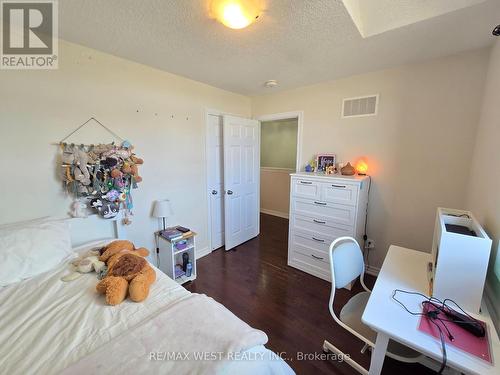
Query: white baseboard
371	270
201	253
284	215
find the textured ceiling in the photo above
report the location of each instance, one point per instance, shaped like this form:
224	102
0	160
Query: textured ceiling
297	42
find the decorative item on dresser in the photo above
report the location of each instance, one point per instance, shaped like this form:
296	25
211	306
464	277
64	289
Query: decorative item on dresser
347	170
177	253
323	208
361	167
324	161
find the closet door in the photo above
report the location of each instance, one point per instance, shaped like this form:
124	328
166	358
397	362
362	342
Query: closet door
215	184
241	179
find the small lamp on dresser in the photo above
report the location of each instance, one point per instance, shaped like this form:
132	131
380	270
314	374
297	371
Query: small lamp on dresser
163	210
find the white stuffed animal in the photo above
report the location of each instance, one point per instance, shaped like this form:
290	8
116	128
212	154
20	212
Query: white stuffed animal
81	172
78	209
88	262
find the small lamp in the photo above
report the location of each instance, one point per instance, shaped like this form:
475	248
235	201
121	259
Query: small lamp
361	167
163	210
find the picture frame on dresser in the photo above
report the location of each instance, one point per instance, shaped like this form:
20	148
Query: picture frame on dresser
325	160
323	208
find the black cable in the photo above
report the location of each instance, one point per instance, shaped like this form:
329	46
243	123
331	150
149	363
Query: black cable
474	320
431	315
450	336
444	306
443	347
428	299
157	243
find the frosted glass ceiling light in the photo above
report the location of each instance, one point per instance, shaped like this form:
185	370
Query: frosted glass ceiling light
235	14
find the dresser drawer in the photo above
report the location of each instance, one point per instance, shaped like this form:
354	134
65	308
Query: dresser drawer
339	192
312	241
335	213
308	259
320	225
304	188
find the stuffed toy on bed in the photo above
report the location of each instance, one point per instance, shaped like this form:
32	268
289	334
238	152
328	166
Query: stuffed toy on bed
86	263
128	273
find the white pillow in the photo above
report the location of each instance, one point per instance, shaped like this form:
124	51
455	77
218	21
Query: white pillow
26	222
31	248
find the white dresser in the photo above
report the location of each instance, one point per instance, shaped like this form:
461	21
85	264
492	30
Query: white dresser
323	208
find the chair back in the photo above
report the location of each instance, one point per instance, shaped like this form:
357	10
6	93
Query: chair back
346	261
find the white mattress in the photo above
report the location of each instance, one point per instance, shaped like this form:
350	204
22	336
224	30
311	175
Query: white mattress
47	325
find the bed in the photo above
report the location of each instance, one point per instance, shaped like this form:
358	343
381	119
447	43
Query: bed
48	326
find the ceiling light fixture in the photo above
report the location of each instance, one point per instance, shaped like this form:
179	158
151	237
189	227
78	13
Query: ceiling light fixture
235	14
271	83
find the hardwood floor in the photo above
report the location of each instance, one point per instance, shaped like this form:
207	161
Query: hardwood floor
255	283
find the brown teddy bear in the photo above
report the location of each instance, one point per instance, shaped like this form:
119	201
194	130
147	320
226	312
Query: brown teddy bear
128	271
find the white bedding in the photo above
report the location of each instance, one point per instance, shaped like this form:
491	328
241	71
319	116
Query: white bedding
47	325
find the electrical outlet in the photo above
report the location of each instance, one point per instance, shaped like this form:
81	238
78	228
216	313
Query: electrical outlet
370	244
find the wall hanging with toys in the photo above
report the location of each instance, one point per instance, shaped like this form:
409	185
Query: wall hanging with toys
100	177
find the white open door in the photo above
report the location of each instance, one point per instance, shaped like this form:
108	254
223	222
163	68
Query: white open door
241	179
215	173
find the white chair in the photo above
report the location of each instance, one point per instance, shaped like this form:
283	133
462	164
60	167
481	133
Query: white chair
346	264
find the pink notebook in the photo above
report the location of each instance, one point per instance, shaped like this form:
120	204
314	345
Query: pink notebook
464	340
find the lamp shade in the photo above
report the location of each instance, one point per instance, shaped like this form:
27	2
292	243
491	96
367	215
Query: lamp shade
162	209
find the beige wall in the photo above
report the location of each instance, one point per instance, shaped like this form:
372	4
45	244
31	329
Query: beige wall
278	143
483	197
160	113
418	147
278	159
275	191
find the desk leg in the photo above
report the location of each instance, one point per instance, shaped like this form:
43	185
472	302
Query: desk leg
378	354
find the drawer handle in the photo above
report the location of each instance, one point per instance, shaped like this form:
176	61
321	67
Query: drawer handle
317	239
320	203
306	182
319	221
315	257
339	186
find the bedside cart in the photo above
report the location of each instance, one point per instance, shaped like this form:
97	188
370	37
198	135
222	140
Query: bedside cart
169	256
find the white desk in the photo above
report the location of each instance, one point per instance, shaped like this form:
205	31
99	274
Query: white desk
407	270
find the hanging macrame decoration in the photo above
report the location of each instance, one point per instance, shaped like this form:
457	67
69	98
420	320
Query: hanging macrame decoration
100	177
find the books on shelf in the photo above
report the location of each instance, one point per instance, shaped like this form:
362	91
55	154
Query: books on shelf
171	234
186	232
176	233
178	271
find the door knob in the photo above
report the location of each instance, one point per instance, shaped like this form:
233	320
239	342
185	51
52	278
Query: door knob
229	192
214	192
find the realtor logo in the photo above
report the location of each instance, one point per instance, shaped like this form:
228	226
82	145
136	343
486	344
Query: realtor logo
29	34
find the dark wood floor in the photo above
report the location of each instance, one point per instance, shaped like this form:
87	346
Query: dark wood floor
255	283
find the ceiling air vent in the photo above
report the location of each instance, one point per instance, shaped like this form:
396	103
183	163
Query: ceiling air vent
360	106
